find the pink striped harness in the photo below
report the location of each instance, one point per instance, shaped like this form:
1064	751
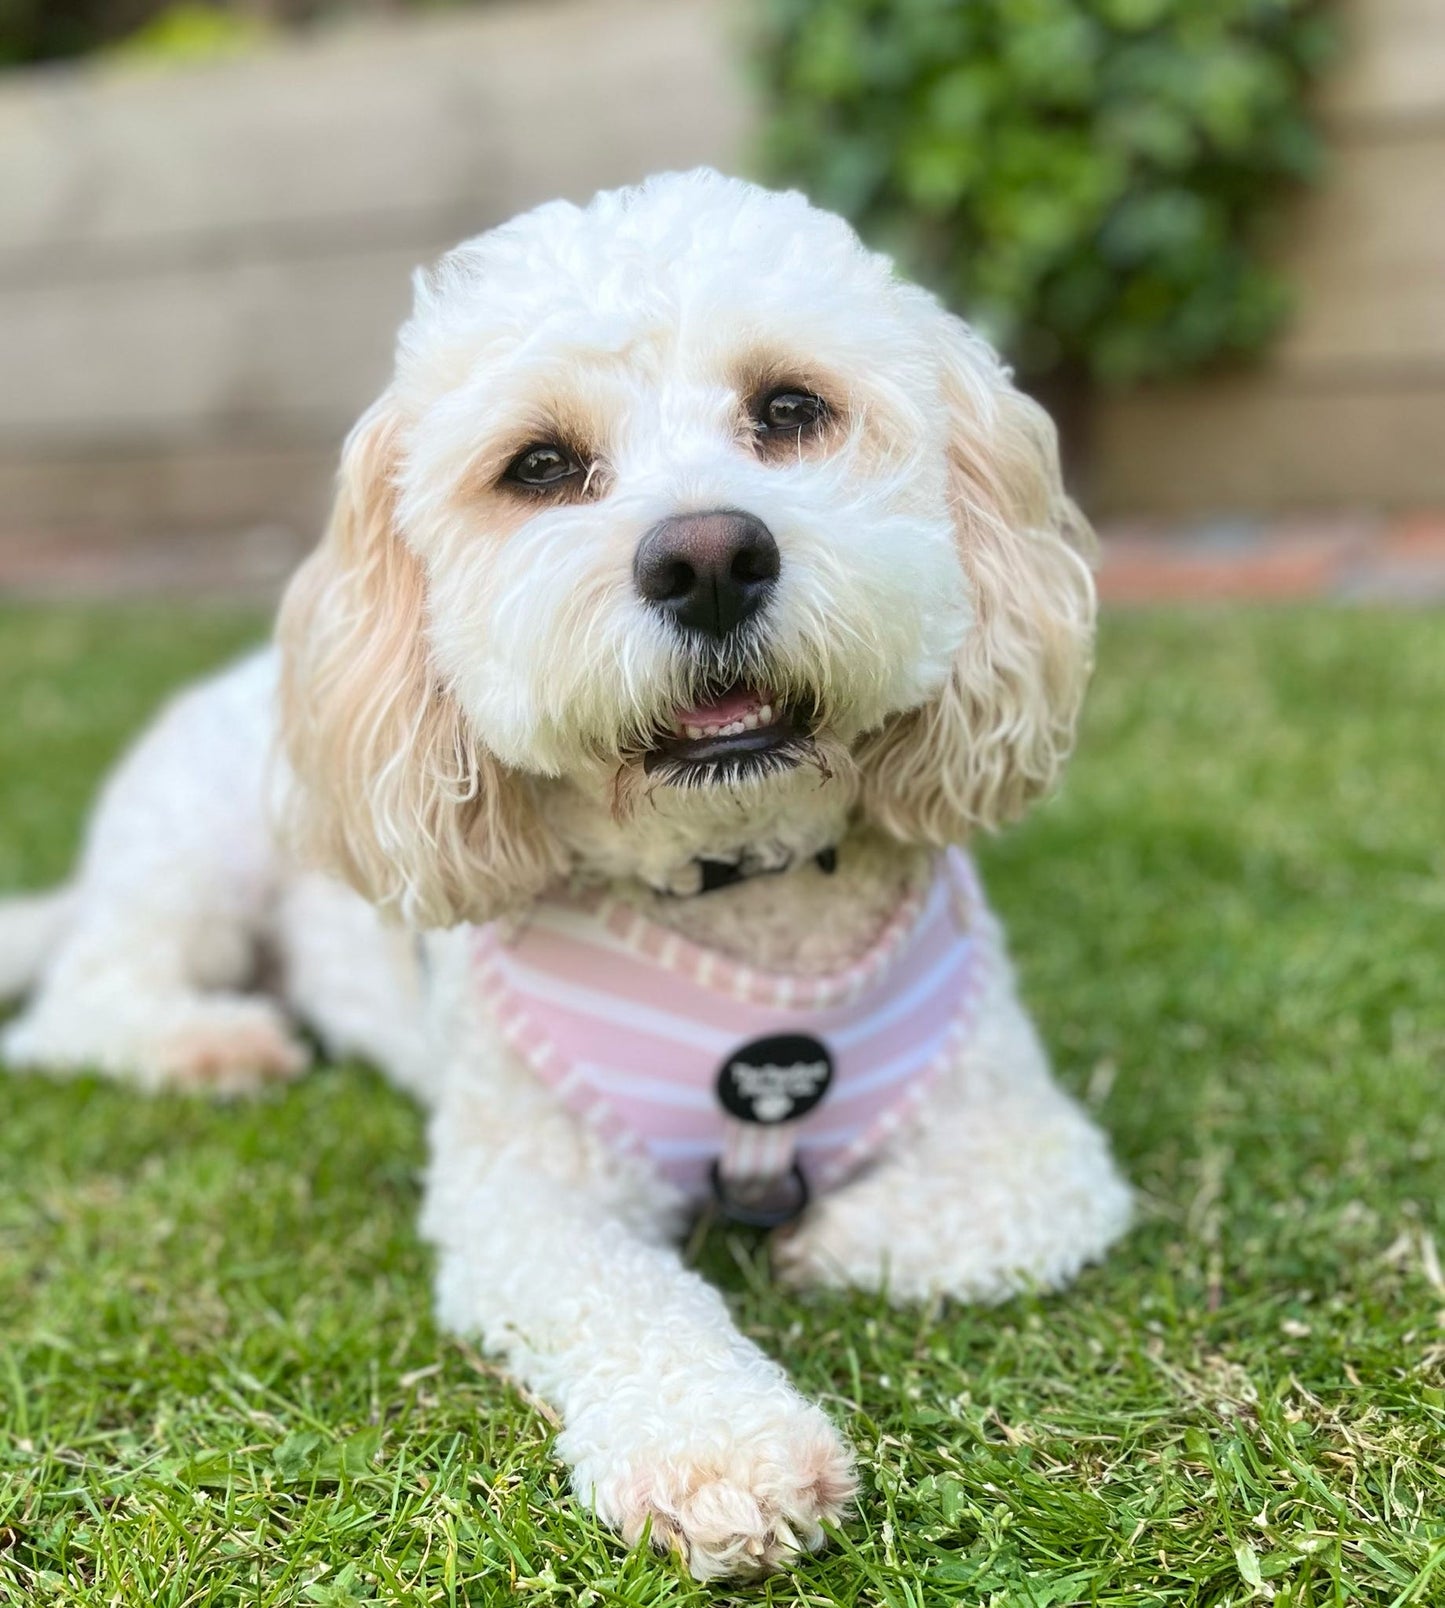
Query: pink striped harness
675	1052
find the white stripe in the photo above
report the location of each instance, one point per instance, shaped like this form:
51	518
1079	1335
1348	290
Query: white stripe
655	1091
682	1149
757	1152
568	1086
737	1150
821	1139
878	1021
890	1072
584	929
621	1013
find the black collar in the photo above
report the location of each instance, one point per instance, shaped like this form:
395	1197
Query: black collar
717	874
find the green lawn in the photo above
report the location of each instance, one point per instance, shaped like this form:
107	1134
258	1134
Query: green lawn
221	1382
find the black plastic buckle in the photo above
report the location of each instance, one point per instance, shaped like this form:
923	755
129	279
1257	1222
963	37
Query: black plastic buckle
716	874
779	1201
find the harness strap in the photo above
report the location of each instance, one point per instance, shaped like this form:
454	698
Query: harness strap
716	1069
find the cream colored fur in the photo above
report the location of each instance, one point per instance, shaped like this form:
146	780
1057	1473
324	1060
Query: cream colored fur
467	681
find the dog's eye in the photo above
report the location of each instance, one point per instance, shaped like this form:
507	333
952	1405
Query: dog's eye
789	412
542	465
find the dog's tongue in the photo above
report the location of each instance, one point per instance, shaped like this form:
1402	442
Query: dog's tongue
735	704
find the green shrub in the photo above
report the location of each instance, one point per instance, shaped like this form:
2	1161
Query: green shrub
1091	180
187	31
166	31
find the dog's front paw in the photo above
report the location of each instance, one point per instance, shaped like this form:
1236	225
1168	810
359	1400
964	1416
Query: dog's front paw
1022	1204
731	1501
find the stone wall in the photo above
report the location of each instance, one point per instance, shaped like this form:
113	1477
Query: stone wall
201	271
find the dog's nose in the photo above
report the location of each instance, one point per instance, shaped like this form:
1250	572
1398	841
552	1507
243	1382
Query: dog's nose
708	572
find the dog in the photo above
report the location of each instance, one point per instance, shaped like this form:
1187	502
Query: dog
694	591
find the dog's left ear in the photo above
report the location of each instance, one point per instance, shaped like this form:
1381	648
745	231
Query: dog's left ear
998	733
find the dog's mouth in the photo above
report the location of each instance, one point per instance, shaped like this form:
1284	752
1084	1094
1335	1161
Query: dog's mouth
731	733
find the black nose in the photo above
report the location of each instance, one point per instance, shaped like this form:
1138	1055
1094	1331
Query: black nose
708	572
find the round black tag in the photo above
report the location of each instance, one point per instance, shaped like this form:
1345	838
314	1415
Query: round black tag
773	1080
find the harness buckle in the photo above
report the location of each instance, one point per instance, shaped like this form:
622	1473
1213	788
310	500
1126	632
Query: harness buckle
761	1202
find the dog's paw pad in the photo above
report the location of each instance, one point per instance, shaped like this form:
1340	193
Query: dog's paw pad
741	1516
226	1047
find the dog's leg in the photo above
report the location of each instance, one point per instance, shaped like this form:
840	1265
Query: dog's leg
357	982
1004	1185
174	890
674	1424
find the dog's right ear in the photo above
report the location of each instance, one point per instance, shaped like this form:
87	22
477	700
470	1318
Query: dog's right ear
392	792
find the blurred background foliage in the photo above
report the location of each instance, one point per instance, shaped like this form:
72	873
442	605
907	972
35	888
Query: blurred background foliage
1093	181
166	30
58	30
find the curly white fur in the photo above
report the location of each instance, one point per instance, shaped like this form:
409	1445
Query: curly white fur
467	680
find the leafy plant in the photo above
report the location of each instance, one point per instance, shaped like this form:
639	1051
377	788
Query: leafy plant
1092	180
165	31
192	31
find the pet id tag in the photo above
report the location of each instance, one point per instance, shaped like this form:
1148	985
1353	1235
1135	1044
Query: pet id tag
765	1086
777	1079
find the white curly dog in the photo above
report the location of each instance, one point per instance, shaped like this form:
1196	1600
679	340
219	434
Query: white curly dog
692	588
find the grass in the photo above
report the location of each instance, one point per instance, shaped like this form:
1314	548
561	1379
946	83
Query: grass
219	1379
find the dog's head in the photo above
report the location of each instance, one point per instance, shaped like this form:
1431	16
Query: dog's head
684	528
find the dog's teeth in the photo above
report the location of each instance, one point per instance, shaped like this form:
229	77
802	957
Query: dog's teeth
762	716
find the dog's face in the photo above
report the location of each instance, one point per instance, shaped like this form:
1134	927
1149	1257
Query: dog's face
683	529
677	468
